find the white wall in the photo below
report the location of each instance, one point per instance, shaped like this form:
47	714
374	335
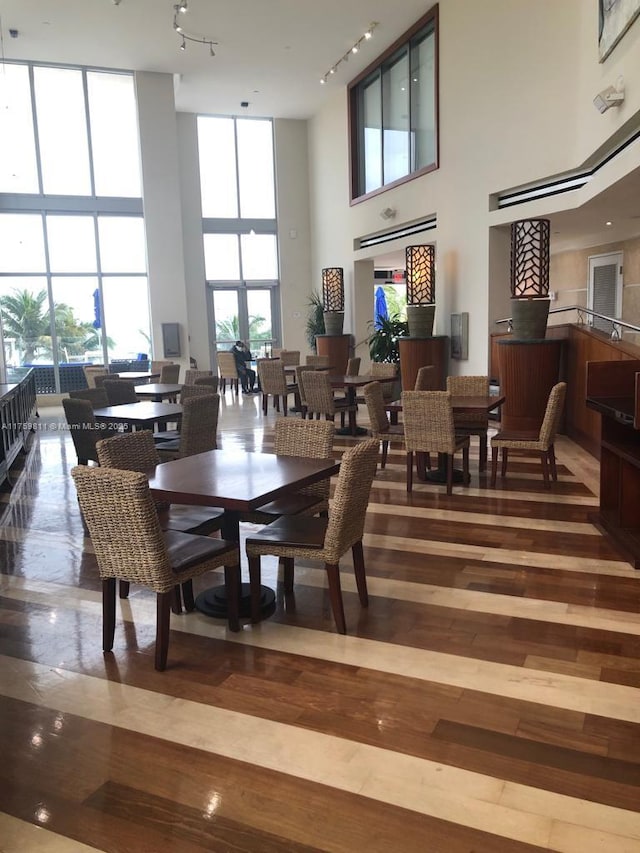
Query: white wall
517	80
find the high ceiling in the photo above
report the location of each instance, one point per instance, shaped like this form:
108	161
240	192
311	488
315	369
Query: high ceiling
271	53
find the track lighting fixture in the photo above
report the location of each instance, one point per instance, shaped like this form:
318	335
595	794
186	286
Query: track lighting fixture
181	9
354	49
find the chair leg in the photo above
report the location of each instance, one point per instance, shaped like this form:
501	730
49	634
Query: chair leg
187	596
287	564
410	470
335	596
483	452
265	403
232	586
163	618
176	600
494	466
108	613
552	462
223	384
343	421
466	476
123	589
359	571
449	473
385	450
285	407
545	469
254	584
505	459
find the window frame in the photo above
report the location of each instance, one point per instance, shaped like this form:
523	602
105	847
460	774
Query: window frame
356	177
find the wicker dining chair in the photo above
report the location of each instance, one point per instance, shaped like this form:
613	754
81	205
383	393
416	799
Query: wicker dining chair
301	369
320	398
211	382
188	391
323	539
100	378
136	451
129	544
471	423
228	371
426	378
428	427
308	440
316	361
169	374
353	366
273	382
191	375
85	430
385	370
120	391
541	443
198	430
96	396
156	365
290	357
381	428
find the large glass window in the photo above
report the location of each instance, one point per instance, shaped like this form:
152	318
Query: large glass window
239	231
73	283
394	112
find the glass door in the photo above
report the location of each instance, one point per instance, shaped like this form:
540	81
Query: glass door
246	314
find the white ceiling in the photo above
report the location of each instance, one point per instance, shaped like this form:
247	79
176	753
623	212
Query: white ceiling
271	53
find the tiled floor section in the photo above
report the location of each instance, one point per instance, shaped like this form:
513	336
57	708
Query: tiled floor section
487	700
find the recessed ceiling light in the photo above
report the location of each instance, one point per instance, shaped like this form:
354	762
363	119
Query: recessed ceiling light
608	222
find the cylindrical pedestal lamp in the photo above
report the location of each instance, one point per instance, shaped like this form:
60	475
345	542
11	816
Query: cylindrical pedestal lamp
530	240
421	280
333	299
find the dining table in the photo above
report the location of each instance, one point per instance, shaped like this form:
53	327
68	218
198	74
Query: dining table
139	375
142	415
461	404
238	482
158	391
351	385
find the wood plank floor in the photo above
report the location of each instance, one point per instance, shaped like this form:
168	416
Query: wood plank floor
486	701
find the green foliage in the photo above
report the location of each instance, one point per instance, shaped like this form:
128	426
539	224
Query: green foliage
315	320
383	342
229	330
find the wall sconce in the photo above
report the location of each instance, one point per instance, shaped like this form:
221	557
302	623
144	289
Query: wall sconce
333	299
530	244
421	290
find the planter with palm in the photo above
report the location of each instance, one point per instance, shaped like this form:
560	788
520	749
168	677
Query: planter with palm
315	320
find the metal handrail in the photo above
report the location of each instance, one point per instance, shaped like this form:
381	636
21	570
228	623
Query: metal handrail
617	326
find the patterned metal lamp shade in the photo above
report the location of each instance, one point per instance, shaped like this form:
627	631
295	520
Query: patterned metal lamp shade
333	289
530	258
421	275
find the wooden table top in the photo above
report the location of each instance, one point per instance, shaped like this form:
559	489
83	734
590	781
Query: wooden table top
142	413
158	389
139	375
338	381
235	480
461	404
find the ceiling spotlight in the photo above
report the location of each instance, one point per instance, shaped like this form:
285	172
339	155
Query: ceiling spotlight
368	34
182	7
183	46
211	50
355	48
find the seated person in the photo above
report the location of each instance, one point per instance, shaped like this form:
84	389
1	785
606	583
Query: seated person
246	374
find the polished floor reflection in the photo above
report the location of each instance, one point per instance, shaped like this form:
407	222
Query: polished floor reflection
487	700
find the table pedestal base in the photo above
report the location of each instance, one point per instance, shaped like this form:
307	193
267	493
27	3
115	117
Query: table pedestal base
213	602
348	431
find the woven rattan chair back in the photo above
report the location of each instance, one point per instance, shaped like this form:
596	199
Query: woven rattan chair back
310	440
290	357
99	378
301	369
199	424
131	451
210	382
350	499
317	361
353	366
378	419
120	391
227	370
272	377
189	391
190	375
469	386
426	378
157	365
96	396
170	374
85	431
428	421
553	415
385	370
319	394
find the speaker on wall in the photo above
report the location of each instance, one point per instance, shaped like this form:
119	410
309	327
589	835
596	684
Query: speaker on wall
171	340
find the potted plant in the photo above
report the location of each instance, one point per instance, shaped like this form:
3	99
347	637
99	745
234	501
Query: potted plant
315	320
383	341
